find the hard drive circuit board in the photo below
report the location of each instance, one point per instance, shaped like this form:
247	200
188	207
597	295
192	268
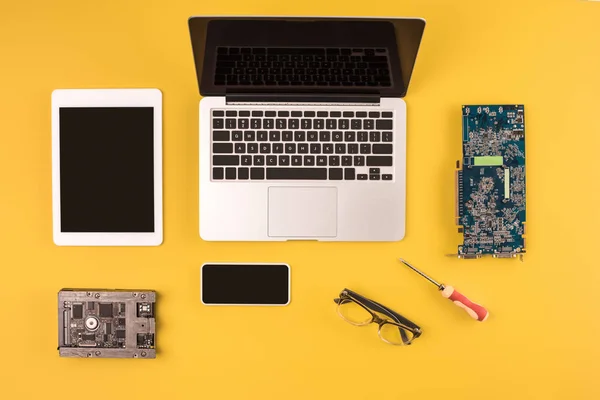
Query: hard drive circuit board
491	181
106	323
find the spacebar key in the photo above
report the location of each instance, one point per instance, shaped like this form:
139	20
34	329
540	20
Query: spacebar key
297	173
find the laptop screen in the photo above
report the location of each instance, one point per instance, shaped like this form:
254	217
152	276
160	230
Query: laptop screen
304	55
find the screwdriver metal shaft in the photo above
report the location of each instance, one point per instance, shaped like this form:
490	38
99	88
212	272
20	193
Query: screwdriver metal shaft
475	310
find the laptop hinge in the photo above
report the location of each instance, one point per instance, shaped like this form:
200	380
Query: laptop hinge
303	98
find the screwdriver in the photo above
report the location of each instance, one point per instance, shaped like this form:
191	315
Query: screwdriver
473	309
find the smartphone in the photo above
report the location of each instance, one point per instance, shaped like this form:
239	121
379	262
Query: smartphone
255	284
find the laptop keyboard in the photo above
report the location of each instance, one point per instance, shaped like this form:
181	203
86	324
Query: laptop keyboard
268	66
302	145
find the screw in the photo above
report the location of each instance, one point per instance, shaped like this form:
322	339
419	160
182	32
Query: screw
135	295
89	354
88	294
97	295
143	296
135	355
143	354
97	353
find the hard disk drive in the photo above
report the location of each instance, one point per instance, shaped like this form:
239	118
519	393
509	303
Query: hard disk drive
101	323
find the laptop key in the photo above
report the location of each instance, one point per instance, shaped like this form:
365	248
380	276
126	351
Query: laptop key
271	160
257	173
265	148
315	148
230	123
303	148
327	148
226	160
349	174
382	149
352	148
249	136
356	124
268	123
240	148
369	124
379	161
243	173
218	123
365	148
290	148
236	136
324	136
252	148
334	161
296	173
294	123
386	177
255	123
297	160
336	174
277	148
220	136
299	136
359	161
321	160
363	137
387	137
374	170
280	124
259	160
319	124
312	136
384	124
309	161
284	160
217	173
340	148
246	160
230	173
387	114
288	136
362	177
375	137
344	124
243	123
331	124
306	124
262	136
350	136
274	136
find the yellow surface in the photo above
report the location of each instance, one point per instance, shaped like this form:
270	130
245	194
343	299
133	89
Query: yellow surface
541	340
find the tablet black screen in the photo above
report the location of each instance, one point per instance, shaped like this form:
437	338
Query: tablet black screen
107	169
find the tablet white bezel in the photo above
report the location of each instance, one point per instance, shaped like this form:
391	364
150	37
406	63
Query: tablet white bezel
63	98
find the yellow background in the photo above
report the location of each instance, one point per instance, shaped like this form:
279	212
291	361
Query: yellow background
541	340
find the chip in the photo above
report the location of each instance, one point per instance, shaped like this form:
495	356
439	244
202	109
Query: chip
77	311
108	328
89	337
120	334
121	321
91	305
106	310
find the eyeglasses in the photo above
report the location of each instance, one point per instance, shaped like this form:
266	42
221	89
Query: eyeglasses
360	311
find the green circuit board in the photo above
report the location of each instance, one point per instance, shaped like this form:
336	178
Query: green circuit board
491	181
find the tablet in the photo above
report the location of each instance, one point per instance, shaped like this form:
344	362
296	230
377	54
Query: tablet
107	167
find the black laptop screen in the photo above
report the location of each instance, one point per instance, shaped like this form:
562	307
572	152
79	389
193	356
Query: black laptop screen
304	55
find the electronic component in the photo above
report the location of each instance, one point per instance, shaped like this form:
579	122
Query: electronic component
106	323
490	183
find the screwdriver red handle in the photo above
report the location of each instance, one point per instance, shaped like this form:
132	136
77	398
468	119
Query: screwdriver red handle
473	309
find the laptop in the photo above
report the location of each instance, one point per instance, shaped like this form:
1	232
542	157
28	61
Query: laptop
303	126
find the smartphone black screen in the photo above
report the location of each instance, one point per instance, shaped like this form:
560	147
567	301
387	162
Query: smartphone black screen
107	169
250	284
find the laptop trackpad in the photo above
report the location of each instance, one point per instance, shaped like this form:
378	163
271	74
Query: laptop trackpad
302	212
